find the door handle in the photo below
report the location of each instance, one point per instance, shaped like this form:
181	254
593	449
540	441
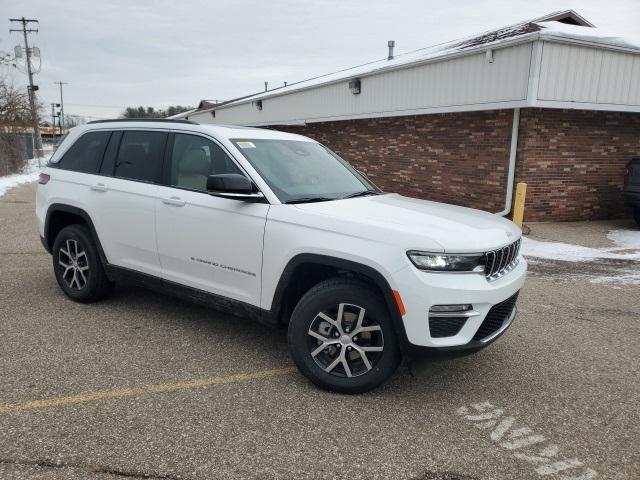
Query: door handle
99	187
175	201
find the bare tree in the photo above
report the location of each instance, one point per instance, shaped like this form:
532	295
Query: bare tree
71	121
15	118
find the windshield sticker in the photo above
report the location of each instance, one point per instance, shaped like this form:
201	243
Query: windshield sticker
245	144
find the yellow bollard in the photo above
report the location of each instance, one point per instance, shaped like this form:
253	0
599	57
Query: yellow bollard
518	207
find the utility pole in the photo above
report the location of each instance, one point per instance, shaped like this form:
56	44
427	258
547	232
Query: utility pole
55	115
61	104
32	88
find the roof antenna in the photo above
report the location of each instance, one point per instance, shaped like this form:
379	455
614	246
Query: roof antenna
391	44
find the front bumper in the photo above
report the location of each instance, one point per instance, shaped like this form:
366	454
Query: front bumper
421	290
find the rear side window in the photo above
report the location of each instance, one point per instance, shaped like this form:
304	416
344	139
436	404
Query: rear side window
140	156
86	153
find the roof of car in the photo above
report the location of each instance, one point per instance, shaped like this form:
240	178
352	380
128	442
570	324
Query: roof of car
218	131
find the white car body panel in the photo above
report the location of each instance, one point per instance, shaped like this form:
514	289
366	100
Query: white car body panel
222	252
124	218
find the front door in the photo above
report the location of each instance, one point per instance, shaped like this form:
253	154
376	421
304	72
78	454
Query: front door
209	243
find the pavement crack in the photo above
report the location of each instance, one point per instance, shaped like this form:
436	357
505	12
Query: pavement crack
432	475
91	468
24	253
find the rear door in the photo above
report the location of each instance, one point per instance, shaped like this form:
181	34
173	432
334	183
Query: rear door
124	199
209	243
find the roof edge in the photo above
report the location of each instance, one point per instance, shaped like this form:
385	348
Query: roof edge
556	16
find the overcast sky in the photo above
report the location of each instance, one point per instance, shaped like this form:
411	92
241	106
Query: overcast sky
116	53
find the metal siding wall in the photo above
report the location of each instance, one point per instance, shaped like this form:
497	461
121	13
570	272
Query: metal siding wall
468	80
573	73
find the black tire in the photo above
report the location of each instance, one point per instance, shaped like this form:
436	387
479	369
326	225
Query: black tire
326	298
84	279
636	215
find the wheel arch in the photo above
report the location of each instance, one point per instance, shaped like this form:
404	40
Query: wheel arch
59	216
296	270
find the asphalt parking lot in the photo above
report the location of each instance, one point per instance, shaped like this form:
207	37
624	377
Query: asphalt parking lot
142	385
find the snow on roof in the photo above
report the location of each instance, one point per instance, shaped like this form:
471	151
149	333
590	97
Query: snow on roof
595	35
565	24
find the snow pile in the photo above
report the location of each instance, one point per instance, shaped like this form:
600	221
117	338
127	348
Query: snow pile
28	175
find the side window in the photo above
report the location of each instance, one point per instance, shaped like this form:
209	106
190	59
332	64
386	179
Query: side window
140	155
194	158
86	153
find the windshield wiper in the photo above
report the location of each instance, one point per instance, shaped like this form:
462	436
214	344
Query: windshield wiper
362	194
309	199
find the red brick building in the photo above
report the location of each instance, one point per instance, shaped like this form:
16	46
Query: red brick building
550	102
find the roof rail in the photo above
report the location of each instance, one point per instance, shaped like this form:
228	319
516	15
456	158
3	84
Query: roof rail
169	120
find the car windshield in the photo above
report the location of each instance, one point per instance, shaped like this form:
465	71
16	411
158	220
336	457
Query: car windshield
300	171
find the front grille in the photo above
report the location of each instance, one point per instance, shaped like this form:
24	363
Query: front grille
496	317
500	262
445	326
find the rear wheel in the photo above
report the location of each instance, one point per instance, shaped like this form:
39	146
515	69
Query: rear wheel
77	265
341	337
636	215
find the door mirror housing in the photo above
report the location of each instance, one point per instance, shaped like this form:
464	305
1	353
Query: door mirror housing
233	186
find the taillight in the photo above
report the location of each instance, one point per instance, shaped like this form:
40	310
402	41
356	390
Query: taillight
44	178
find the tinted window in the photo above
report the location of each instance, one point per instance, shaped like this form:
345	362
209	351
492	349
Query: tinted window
109	159
86	153
194	158
140	156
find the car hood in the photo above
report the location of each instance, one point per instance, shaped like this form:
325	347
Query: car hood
415	224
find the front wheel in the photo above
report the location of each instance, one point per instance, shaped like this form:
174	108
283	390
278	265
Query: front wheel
341	337
636	215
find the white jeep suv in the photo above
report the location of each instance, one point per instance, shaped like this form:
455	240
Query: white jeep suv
276	227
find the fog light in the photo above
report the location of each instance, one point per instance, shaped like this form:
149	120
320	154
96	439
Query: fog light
451	308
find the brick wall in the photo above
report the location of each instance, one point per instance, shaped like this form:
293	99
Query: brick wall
458	158
573	162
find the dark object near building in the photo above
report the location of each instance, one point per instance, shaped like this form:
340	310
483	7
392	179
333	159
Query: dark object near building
631	189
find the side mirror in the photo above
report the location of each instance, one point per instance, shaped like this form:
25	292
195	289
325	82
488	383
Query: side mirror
233	186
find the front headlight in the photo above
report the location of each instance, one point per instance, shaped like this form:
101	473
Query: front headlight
443	262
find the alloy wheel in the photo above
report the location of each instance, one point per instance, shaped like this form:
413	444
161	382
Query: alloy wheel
73	258
345	341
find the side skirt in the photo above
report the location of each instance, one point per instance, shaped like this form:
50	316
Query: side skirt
206	299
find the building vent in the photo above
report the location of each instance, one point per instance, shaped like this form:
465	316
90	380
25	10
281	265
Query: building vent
391	44
355	86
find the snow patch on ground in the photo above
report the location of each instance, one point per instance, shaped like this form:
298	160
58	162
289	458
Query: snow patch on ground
627	248
625	238
624	277
28	175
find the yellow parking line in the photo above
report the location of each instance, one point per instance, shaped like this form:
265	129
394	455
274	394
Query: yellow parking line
146	389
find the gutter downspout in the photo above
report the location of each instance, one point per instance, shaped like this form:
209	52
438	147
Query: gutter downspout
512	163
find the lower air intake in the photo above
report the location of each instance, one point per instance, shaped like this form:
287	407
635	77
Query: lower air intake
496	318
